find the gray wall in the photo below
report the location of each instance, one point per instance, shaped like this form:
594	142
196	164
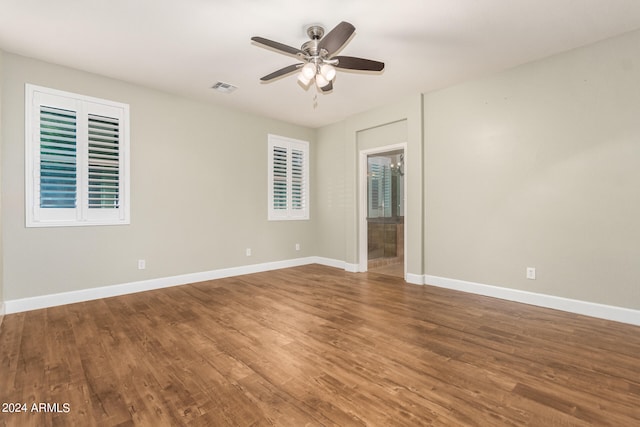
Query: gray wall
534	166
330	198
198	183
537	166
337	166
380	136
540	166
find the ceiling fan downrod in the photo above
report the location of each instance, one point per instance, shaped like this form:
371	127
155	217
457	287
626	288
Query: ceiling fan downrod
311	48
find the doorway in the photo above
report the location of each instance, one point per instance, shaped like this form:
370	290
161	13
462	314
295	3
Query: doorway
383	207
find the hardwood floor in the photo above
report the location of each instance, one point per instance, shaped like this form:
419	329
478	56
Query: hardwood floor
396	270
315	345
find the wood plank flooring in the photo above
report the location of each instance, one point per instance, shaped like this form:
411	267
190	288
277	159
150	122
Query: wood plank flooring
316	346
396	270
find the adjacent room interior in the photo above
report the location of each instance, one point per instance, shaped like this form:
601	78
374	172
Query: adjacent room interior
439	229
385	212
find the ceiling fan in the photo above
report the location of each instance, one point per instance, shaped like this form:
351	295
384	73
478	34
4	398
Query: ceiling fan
319	64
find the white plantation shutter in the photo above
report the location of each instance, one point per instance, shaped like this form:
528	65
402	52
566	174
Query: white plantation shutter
288	178
279	176
104	164
58	158
379	187
76	153
298	179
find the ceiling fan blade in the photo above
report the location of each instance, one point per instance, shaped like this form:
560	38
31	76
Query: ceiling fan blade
281	72
327	88
278	46
353	63
336	38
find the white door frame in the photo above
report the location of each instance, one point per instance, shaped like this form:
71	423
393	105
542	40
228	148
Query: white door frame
362	216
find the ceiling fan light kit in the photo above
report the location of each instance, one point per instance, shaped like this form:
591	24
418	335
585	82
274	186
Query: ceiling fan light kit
328	71
319	64
322	82
302	79
309	71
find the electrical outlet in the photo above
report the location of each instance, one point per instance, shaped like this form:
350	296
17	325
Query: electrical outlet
248	251
297	246
142	264
531	273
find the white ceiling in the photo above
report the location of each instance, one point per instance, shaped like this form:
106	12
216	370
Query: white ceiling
185	46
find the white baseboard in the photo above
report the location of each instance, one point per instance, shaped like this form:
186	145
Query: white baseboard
2	309
351	268
618	314
329	262
52	300
415	279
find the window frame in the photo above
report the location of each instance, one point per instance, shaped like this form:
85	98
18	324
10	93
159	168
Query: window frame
83	106
290	212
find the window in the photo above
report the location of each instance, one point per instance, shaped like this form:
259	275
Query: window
77	159
288	178
379	188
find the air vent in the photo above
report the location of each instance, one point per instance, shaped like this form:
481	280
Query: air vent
223	87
